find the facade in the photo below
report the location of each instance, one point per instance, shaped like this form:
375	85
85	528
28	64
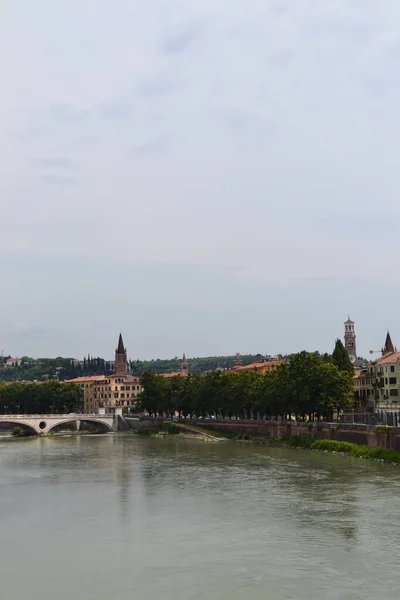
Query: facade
86	385
350	340
377	386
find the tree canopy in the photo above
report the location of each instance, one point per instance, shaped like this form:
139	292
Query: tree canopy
307	385
43	398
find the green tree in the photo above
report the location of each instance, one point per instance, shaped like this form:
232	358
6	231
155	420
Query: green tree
341	357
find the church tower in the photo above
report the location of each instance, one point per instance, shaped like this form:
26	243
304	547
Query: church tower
184	366
350	339
121	361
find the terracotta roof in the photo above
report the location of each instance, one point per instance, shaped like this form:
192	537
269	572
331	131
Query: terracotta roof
173	374
86	379
391	357
259	365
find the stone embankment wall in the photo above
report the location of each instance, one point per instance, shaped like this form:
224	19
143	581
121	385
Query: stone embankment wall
370	435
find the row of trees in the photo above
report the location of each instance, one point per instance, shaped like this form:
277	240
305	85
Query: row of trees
34	398
308	385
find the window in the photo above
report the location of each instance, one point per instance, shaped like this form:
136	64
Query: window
392	380
392	368
386	380
128	387
122	395
394	392
115	394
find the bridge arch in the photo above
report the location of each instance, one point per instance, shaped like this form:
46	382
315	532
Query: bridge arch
30	428
106	427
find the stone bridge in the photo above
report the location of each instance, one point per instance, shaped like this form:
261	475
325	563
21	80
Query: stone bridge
43	424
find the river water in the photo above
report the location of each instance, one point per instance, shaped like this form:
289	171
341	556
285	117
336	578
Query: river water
121	517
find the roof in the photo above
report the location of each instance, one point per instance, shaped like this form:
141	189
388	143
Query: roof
121	348
259	365
391	357
86	379
173	374
388	345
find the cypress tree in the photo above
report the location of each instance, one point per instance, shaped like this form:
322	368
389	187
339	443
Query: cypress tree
341	357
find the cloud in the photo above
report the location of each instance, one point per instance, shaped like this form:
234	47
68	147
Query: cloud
258	136
180	41
68	114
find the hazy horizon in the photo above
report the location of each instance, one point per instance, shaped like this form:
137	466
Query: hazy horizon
209	176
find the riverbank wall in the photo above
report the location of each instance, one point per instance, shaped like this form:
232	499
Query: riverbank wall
374	436
368	435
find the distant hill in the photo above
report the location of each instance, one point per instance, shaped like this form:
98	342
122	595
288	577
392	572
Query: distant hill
67	368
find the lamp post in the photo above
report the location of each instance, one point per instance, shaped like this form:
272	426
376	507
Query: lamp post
5	409
18	409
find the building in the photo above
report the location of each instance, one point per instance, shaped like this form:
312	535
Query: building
86	385
117	390
265	366
377	386
183	372
13	362
350	340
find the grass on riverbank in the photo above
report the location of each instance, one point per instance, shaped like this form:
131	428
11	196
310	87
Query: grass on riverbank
344	447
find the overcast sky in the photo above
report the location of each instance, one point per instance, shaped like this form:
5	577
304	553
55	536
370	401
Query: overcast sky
215	176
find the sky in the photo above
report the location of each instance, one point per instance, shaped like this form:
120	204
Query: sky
214	176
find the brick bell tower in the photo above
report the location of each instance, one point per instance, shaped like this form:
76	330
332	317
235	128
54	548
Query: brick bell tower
121	360
350	340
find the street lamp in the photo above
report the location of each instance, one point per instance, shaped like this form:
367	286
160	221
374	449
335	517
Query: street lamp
5	409
18	409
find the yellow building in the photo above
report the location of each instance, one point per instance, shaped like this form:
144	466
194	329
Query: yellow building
86	385
115	391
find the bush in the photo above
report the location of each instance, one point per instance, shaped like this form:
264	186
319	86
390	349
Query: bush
297	441
173	429
345	447
147	431
18	432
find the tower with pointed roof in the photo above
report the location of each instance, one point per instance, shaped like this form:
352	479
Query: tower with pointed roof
350	339
121	360
184	366
238	361
388	347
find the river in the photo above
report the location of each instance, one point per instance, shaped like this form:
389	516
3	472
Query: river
120	517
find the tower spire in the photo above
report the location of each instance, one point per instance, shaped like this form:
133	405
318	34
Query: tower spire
121	348
388	347
121	361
